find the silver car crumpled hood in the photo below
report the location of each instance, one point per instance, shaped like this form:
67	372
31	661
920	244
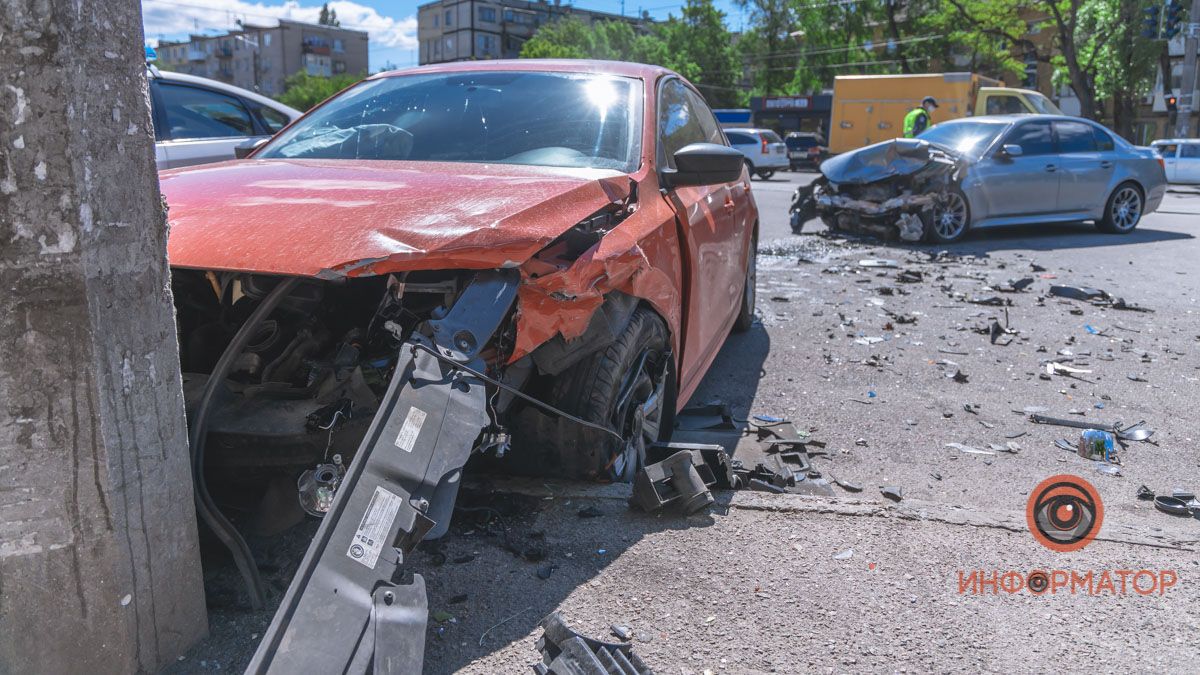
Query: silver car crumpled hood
881	161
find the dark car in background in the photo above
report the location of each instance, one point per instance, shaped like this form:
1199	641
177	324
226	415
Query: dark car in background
805	149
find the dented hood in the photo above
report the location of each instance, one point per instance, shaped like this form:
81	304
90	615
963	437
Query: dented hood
899	157
333	218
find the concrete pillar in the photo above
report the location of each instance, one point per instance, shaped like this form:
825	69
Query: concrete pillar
99	562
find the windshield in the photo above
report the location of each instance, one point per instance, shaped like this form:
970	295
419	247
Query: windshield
964	137
772	137
546	119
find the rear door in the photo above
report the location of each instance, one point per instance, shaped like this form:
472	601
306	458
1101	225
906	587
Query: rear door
1085	171
1187	169
1024	185
1169	152
715	230
202	125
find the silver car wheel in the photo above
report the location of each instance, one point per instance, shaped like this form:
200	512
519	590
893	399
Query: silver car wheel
950	216
1126	208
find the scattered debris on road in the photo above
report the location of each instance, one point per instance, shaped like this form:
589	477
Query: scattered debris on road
565	652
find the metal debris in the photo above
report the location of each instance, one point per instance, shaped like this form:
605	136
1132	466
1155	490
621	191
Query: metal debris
565	652
892	492
682	478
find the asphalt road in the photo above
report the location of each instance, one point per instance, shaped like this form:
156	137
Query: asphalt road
853	581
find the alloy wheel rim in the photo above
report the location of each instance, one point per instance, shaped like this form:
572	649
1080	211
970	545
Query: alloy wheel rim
1126	208
640	408
951	216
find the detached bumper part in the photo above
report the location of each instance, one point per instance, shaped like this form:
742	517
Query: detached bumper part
349	608
683	478
565	652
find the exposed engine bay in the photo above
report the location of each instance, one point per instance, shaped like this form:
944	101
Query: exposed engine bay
892	189
379	387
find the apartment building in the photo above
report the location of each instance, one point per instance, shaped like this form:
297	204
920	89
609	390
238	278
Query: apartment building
260	58
461	30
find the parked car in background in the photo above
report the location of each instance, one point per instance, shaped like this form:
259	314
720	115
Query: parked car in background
198	120
1181	159
804	148
765	151
986	171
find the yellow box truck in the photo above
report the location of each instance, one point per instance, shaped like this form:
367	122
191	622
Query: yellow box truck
870	108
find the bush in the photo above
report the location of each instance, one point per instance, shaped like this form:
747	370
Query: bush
303	91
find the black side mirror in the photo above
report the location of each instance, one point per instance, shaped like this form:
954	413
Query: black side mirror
243	150
704	164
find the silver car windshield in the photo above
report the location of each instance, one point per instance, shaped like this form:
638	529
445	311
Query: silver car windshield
968	138
502	117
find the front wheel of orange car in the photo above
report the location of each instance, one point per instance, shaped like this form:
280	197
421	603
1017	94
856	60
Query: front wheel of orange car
629	387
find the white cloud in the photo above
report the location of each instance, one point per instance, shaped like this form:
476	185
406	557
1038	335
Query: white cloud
180	17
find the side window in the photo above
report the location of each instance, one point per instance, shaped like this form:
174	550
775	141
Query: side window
1104	142
271	118
1004	105
201	113
1190	150
738	138
1167	151
678	123
1033	137
1075	137
708	122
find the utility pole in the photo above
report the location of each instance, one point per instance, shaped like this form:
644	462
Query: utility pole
1187	93
99	558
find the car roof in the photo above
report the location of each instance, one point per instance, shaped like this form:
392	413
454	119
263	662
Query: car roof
227	88
620	68
1018	117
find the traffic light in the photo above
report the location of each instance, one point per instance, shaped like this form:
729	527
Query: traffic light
1172	102
1172	18
1153	19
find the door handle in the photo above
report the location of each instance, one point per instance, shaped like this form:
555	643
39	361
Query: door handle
1105	164
1051	168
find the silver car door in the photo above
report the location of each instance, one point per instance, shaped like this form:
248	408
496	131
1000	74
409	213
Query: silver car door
1084	171
202	125
1020	185
1187	167
1169	152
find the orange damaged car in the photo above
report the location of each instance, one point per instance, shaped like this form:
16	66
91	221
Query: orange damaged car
529	261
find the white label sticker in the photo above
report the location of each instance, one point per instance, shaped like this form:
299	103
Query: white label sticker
406	440
374	527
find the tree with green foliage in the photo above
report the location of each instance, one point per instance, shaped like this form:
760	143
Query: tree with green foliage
696	45
328	17
699	38
303	91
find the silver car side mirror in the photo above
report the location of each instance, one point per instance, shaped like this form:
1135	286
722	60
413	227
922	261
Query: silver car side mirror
1012	150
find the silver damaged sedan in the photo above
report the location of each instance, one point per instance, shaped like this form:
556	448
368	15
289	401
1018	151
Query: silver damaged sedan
979	172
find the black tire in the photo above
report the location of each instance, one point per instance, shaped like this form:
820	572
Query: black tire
1123	210
949	220
745	318
750	169
592	389
766	174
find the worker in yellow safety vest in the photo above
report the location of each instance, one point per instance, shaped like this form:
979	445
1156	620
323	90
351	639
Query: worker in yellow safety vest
917	119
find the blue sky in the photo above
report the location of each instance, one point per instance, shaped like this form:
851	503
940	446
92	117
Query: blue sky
392	24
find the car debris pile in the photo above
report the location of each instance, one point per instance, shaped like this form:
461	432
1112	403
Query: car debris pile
893	189
566	652
680	474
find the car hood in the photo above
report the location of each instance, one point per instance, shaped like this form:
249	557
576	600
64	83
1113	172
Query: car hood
899	157
335	218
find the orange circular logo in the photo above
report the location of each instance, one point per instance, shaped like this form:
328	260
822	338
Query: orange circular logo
1064	513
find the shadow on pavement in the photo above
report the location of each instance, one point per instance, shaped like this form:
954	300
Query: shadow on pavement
1053	236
